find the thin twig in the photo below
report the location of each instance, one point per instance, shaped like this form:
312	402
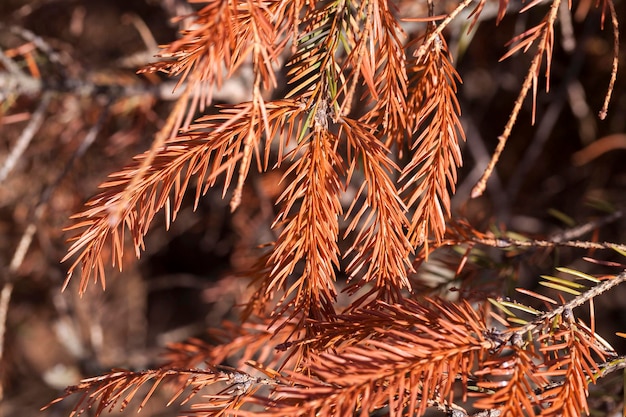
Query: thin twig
27	135
484	413
550	116
561	239
17	82
611	366
88	140
10	65
580	244
539	323
436	32
5	298
38	41
615	65
587	227
530	80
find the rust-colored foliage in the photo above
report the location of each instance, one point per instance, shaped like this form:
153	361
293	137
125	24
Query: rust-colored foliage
364	107
433	113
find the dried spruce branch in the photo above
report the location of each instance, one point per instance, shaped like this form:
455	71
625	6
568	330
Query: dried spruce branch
352	93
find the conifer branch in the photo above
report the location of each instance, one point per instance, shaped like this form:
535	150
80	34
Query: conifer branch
576	366
567	308
353	107
436	151
437	33
407	363
513	391
212	147
224	34
118	388
390	80
505	242
380	245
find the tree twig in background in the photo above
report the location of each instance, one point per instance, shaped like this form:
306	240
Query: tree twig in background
27	135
